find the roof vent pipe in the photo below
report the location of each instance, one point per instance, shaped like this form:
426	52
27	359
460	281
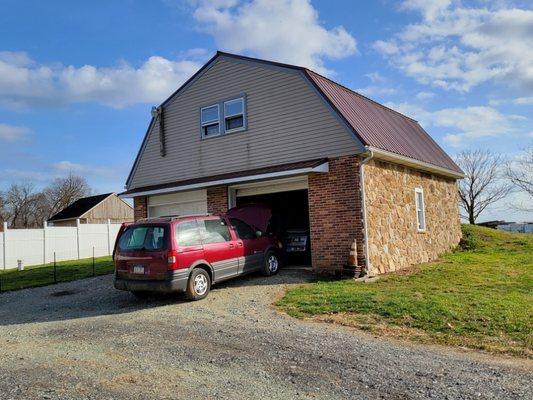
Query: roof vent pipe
157	115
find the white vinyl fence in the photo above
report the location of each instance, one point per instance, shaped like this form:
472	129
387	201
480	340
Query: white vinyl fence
37	246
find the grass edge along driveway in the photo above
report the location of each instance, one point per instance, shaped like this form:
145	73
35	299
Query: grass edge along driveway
42	275
479	296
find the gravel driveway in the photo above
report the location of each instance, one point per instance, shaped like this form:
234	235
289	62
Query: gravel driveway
85	340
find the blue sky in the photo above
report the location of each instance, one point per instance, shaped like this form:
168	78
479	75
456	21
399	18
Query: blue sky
78	79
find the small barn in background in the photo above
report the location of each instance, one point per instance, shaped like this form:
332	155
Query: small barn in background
94	210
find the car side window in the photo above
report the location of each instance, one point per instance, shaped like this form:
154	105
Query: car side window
188	234
244	231
214	231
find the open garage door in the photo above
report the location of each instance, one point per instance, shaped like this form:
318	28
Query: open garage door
182	203
288	199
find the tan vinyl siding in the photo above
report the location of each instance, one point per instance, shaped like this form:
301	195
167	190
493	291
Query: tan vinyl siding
287	122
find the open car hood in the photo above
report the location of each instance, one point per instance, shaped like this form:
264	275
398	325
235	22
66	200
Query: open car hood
256	215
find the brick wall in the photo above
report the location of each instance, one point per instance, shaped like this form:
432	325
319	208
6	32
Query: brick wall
140	207
335	215
217	200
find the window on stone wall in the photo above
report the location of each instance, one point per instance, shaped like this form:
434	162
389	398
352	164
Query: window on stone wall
420	210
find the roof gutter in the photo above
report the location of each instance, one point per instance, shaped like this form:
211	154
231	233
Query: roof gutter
411	162
322	168
369	156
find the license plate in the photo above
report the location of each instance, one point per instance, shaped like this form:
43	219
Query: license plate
138	269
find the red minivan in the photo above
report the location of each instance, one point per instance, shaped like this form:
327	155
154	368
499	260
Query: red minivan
190	253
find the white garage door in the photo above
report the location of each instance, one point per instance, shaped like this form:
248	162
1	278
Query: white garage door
183	203
265	187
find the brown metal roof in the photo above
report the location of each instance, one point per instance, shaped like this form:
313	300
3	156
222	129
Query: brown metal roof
381	127
230	175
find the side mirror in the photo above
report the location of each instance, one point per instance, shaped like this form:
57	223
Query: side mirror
258	233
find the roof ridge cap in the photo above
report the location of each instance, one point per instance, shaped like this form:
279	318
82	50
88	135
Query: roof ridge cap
361	95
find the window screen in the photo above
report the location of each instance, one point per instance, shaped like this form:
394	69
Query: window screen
210	120
420	212
234	114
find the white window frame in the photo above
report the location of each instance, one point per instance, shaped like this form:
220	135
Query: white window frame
422	208
243	113
210	122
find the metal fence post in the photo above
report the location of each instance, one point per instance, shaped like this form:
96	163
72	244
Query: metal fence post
55	268
4	244
45	225
78	236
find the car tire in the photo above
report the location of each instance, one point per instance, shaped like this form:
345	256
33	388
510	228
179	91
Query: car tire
198	285
271	264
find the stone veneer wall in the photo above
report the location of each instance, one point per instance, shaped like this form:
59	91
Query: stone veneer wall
335	214
394	241
140	207
217	200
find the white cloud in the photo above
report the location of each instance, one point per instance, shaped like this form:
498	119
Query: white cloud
524	101
430	9
375	77
12	175
282	30
378	86
421	96
23	82
455	47
467	124
83	169
388	48
12	133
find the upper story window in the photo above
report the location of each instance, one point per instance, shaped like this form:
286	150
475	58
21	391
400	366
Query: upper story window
420	210
234	115
210	120
223	117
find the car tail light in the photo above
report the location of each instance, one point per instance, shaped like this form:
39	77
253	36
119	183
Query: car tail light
172	259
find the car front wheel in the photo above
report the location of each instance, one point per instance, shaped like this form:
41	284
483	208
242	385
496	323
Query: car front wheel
271	264
198	285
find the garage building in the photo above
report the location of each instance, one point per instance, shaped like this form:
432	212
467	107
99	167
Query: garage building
329	161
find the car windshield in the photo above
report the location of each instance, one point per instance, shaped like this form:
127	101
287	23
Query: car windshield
147	238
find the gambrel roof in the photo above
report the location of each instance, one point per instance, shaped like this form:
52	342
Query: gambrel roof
394	136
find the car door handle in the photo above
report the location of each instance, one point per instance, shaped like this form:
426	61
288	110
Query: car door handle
231	246
239	244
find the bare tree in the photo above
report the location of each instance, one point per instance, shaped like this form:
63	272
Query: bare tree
482	185
22	206
4	213
62	192
520	173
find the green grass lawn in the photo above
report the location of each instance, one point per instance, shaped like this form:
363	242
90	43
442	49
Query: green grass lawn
40	275
480	297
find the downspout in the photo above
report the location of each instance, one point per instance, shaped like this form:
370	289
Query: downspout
370	156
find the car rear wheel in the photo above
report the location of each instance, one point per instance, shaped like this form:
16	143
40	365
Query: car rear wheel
198	285
271	264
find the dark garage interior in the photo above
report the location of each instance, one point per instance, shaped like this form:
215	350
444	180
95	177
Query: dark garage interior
290	222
